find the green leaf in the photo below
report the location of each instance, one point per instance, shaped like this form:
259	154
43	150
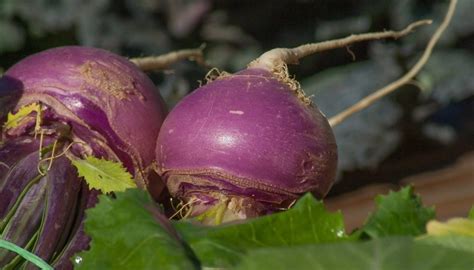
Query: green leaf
471	213
458	242
398	213
104	175
14	119
14	32
384	253
447	77
125	235
223	246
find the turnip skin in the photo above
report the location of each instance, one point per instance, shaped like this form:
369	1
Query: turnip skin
14	176
248	136
251	143
99	90
93	103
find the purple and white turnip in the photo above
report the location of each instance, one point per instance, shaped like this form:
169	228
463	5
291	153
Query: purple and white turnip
247	144
89	102
251	143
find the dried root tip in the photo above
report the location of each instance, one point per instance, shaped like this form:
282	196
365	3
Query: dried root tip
279	56
164	61
215	74
405	79
282	74
44	169
183	210
276	60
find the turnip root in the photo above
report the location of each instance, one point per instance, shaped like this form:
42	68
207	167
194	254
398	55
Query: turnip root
251	143
66	104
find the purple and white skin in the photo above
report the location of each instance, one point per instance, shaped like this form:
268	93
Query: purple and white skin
246	144
252	143
93	102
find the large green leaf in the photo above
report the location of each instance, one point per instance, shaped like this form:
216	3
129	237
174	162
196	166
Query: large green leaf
458	242
398	213
383	253
125	235
306	223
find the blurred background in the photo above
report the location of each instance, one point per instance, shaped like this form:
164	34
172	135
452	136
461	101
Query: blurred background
421	135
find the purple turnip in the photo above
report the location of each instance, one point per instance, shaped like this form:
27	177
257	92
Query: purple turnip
247	143
251	143
104	95
74	102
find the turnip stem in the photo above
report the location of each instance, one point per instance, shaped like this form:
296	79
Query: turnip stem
276	57
164	61
405	79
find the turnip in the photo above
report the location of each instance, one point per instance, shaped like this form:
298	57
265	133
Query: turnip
66	105
251	143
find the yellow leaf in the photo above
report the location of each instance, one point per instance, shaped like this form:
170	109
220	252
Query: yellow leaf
457	226
14	119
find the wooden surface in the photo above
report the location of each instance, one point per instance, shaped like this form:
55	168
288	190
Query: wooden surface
450	190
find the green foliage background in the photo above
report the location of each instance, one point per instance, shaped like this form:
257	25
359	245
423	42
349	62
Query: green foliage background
307	236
